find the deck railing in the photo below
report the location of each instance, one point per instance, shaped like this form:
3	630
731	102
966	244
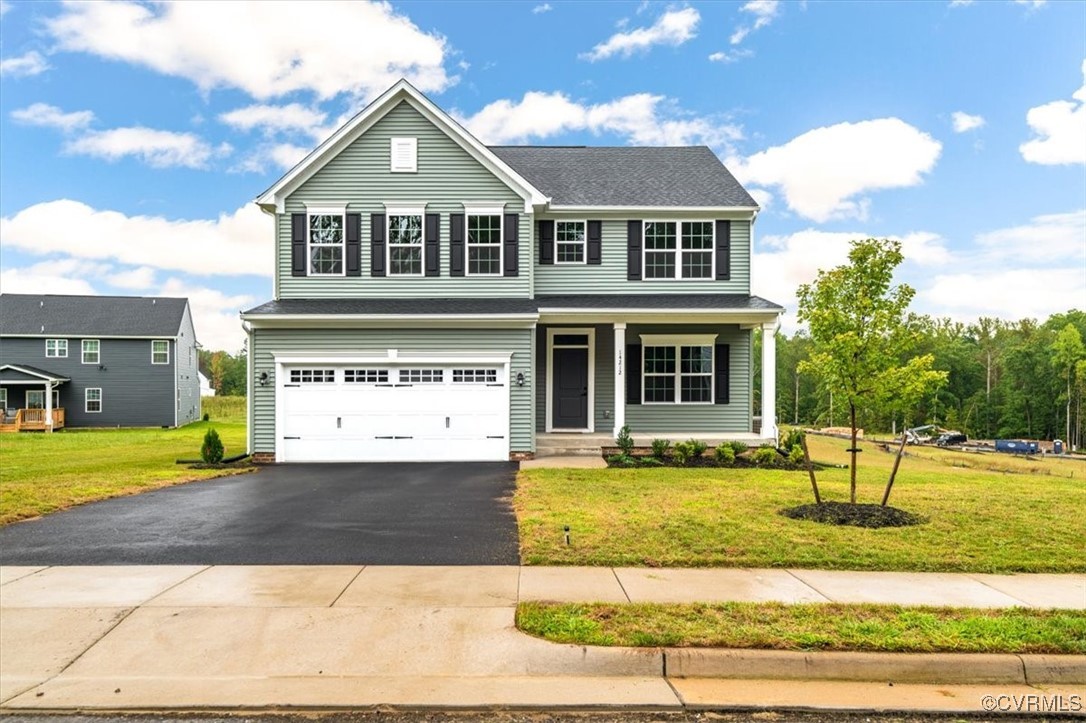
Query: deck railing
32	420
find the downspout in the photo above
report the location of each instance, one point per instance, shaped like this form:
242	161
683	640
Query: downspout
249	367
176	380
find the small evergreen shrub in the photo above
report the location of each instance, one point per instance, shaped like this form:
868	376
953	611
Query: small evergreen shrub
737	447
621	460
766	456
682	452
207	417
796	455
660	448
697	446
724	454
650	462
211	450
792	438
624	441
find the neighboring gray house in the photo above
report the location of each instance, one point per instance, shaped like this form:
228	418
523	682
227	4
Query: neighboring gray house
438	299
109	361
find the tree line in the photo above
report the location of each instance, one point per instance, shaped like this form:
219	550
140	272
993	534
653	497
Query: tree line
225	371
1005	379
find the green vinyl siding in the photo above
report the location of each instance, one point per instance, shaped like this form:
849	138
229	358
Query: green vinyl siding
407	341
360	177
649	419
609	277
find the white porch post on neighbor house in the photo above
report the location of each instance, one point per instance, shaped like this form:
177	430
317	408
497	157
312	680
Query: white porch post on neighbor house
49	406
620	376
769	380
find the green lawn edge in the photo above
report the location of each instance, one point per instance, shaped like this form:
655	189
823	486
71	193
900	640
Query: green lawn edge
808	627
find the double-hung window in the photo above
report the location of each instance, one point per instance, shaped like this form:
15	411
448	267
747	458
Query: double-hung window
92	351
484	241
56	348
679	249
569	242
92	400
160	351
677	369
326	241
405	243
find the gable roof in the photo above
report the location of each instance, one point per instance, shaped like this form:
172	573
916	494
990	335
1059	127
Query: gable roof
402	91
56	315
684	176
16	373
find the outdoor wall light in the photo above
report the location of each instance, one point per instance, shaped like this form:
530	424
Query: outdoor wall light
263	379
520	379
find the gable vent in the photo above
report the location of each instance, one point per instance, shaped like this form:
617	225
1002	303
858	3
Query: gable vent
404	155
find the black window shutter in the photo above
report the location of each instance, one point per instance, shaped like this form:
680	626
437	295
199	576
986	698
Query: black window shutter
297	244
377	244
595	242
511	233
456	244
723	252
546	243
633	251
633	373
354	244
721	367
433	244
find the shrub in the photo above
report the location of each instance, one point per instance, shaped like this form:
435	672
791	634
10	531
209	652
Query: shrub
766	456
650	462
212	450
682	452
792	438
207	417
697	446
624	441
724	454
660	448
796	455
737	447
622	460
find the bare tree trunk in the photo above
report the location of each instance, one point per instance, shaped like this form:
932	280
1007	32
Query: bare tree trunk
795	414
893	472
1068	437
852	474
810	469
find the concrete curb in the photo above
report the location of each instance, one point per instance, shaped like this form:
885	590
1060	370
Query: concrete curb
1055	669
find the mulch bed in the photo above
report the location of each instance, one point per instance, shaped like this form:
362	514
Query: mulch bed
843	513
707	460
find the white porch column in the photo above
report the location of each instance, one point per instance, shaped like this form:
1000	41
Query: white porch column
49	406
620	376
769	380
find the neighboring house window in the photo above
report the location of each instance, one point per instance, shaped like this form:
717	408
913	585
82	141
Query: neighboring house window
569	240
160	352
405	244
677	370
93	400
484	244
92	351
56	348
312	376
679	250
326	242
403	155
3	400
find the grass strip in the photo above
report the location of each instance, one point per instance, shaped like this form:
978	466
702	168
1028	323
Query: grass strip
818	626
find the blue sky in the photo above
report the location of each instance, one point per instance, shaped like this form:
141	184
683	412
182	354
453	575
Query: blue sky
134	136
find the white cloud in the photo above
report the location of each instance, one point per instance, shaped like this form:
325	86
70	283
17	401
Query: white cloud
24	66
265	50
1060	235
232	245
4	7
721	56
49	116
272	119
214	313
26	281
963	122
142	277
643	119
1060	127
1032	4
544	8
156	148
761	196
674	27
1007	293
282	156
764	11
960	3
823	172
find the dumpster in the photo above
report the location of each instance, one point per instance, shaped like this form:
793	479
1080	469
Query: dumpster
1015	446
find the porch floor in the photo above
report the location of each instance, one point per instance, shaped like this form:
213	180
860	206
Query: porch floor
566	444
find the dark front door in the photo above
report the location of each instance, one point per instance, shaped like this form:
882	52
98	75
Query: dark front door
570	401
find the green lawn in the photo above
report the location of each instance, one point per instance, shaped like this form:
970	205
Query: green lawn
42	473
882	628
1001	515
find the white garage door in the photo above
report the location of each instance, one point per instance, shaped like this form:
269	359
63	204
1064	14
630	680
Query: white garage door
394	413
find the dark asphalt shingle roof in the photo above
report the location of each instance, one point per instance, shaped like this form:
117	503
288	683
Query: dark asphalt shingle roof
50	314
627	176
499	307
9	372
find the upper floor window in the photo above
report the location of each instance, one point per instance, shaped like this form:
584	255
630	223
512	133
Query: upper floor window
160	351
679	249
92	351
484	244
326	242
56	348
404	155
569	242
405	244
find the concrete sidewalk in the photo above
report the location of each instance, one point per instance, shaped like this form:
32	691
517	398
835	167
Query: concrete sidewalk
164	637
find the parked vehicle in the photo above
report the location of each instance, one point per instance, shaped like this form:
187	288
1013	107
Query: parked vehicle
948	439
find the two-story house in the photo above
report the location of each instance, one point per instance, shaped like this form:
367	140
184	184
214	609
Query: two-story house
439	299
96	361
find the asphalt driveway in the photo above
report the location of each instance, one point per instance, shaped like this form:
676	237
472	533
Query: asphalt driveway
379	514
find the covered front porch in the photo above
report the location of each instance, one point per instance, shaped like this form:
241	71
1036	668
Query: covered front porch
29	399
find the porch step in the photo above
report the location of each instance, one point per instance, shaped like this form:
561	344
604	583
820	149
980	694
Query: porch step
582	451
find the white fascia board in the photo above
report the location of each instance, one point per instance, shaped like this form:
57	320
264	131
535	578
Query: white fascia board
275	197
392	321
386	358
662	316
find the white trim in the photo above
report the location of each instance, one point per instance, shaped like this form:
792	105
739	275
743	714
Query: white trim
678	341
87	400
590	331
484	208
160	363
621	371
39	375
275	197
584	242
412	145
678	251
83	351
56	347
325	210
501	240
4	396
403	210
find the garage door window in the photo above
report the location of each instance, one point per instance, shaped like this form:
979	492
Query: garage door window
313	376
422	376
475	376
365	376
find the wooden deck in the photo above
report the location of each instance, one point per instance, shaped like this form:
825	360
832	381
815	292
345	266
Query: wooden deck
31	420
